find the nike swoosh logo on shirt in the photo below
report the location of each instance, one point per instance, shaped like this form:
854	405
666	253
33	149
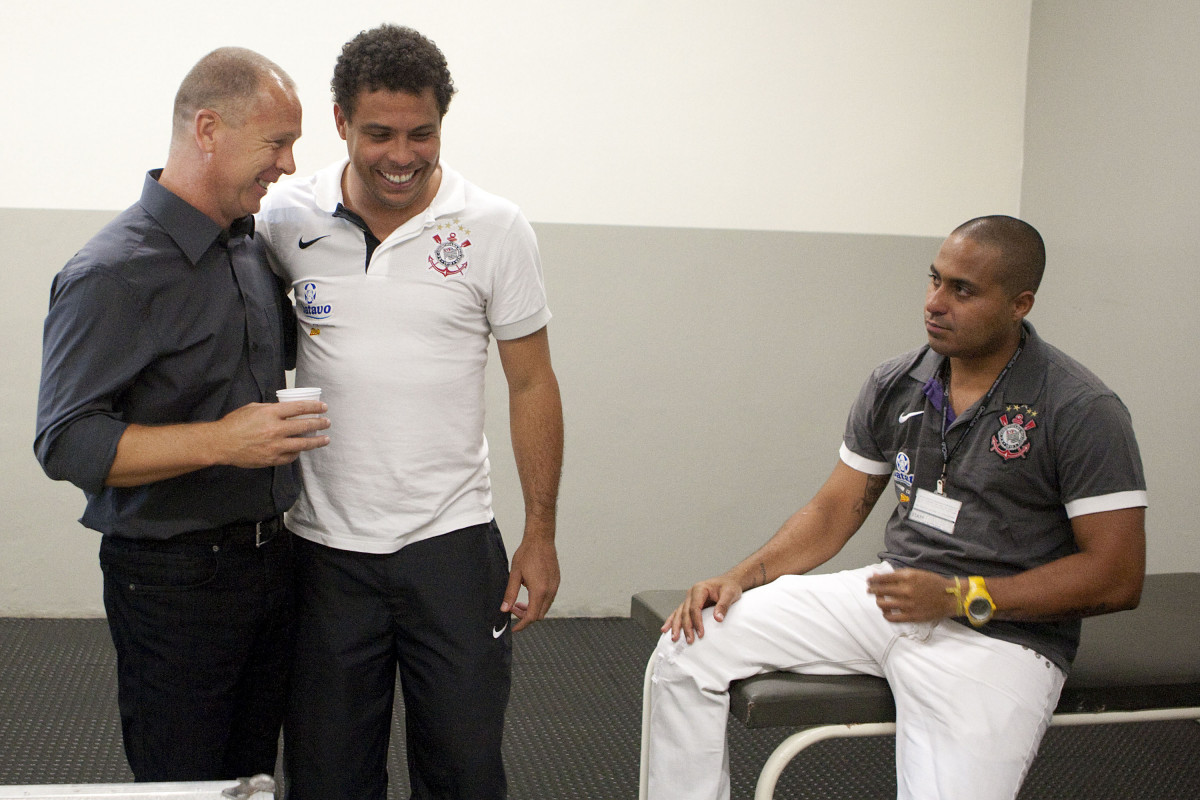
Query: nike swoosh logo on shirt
905	417
496	633
304	245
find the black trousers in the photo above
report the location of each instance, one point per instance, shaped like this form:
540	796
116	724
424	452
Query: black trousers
431	611
202	627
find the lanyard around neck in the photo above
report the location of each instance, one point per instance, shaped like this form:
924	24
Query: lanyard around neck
948	453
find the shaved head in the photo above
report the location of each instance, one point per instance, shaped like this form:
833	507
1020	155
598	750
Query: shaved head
1022	251
227	81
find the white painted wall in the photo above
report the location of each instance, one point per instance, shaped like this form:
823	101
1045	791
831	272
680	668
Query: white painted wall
868	116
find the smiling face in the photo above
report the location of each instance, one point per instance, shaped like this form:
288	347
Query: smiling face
971	314
251	153
394	142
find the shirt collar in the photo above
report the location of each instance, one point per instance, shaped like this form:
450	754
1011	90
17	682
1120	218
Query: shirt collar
1024	381
190	228
927	367
242	227
451	196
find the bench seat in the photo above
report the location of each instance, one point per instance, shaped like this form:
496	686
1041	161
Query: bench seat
1132	666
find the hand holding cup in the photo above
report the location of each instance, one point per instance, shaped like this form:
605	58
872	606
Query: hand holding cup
300	393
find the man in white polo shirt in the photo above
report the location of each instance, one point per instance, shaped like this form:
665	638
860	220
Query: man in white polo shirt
402	270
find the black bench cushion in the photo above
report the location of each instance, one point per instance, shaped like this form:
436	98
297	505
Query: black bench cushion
1145	658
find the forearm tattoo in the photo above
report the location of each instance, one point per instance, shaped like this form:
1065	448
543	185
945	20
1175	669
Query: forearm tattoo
874	487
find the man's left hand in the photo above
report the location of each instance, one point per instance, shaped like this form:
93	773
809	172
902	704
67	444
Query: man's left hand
534	566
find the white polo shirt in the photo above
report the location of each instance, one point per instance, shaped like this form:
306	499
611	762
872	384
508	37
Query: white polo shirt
398	346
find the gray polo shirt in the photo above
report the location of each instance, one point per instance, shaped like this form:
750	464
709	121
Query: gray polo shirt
1053	443
162	318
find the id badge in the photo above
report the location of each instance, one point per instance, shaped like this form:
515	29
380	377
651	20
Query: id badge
935	510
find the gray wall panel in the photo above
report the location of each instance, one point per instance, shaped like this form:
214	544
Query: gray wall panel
1111	176
706	376
47	560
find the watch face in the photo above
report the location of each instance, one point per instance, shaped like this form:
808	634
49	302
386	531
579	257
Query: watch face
979	608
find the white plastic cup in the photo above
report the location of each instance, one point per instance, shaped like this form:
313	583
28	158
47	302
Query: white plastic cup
300	393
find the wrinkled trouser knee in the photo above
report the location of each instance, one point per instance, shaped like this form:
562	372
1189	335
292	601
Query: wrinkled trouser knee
687	722
971	709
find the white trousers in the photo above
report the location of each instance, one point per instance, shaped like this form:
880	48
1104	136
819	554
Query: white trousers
970	710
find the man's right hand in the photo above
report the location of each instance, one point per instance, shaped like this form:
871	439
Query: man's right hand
722	592
255	435
267	435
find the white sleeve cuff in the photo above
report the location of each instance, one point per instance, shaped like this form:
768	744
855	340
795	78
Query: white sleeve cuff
531	324
1107	502
857	462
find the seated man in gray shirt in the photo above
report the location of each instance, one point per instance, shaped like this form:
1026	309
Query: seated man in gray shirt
1020	508
166	339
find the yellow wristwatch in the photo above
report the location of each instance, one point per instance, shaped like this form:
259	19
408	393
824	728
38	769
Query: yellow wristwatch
978	603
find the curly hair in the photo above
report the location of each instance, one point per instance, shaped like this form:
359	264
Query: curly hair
391	58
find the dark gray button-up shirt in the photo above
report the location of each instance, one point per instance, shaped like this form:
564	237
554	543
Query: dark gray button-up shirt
162	318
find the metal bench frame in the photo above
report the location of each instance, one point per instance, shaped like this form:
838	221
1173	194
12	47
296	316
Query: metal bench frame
1134	666
260	787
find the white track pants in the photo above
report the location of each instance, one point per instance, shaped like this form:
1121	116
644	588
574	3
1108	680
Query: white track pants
970	710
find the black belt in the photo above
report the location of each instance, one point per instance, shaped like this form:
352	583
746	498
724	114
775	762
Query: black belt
247	533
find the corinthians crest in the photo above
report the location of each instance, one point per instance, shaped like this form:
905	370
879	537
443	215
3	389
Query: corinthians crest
1012	440
449	257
